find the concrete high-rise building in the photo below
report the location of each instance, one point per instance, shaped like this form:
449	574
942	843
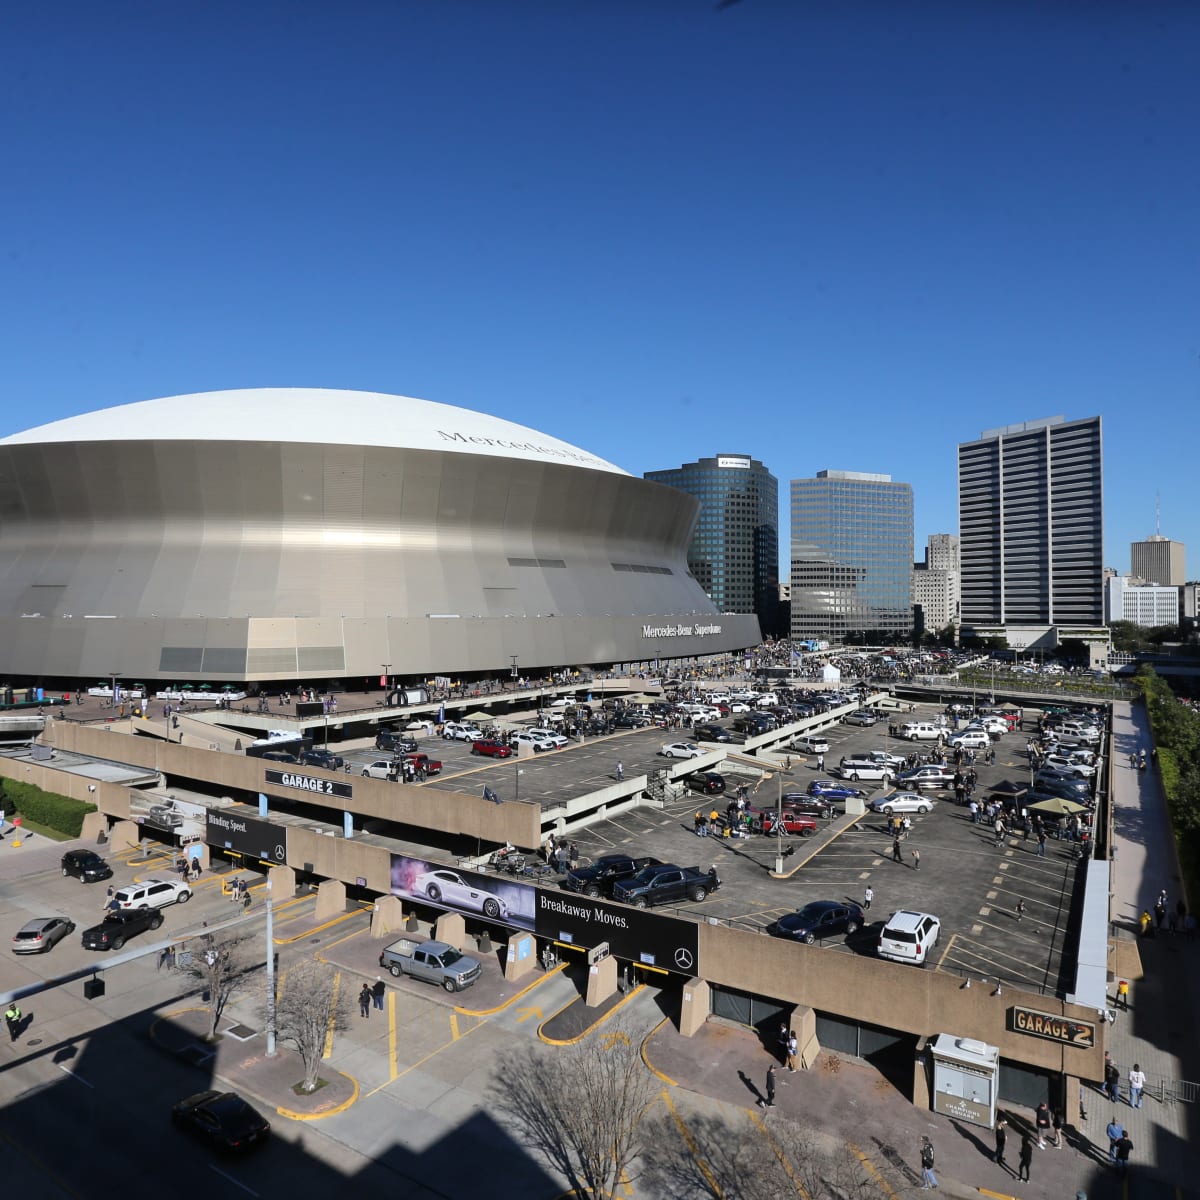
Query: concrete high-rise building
1158	560
1148	604
937	584
1031	523
734	553
852	556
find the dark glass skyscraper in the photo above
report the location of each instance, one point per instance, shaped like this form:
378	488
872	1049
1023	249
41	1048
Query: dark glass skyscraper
734	554
852	555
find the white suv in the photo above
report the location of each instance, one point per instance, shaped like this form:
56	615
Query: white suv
549	735
909	936
153	893
457	731
525	738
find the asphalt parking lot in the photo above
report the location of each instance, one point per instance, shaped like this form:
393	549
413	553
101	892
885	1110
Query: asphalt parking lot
964	879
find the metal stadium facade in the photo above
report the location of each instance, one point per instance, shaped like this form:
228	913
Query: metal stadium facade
284	534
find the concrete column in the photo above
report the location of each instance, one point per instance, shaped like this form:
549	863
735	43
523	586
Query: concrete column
451	929
283	883
124	835
922	1097
602	981
331	900
94	824
387	916
695	1006
521	958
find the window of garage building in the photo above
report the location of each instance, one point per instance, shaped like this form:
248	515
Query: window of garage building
758	1012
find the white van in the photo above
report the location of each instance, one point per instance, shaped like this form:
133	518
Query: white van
922	731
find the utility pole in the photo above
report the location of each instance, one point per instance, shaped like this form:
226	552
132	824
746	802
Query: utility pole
779	829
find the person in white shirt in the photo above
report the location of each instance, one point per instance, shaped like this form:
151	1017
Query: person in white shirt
1137	1081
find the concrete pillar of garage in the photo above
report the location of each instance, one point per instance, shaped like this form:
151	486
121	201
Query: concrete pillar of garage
521	957
602	981
387	916
94	824
451	929
695	1006
283	883
922	1098
124	835
331	900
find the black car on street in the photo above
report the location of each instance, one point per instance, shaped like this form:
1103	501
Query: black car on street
86	866
819	919
222	1119
118	927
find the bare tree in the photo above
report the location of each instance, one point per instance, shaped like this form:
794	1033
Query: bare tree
580	1108
309	1007
740	1159
224	967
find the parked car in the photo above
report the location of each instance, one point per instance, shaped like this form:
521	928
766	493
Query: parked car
1046	787
970	739
86	866
599	878
449	887
811	744
280	755
903	802
810	806
222	1119
708	783
831	789
431	962
323	758
41	935
491	748
681	750
909	936
711	733
397	743
856	768
525	738
552	736
382	768
1060	764
667	882
768	820
819	919
859	717
457	731
153	893
928	775
118	927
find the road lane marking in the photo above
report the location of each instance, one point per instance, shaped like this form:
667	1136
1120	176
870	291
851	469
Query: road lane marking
393	1065
235	1182
337	983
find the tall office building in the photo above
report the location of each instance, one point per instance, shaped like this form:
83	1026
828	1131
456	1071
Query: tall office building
936	584
1031	523
852	556
734	554
1158	560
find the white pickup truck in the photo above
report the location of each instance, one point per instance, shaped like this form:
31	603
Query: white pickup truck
433	962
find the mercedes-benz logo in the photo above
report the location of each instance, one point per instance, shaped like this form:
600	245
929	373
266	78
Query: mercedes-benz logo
280	854
684	959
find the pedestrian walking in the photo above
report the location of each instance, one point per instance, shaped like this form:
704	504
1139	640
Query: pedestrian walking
792	1047
1026	1159
1056	1122
868	896
896	857
1020	910
620	772
1001	1140
916	854
1123	1147
378	991
1137	1083
12	1018
1112	1079
821	763
1041	1122
1115	1131
768	1101
928	1178
364	1001
1041	850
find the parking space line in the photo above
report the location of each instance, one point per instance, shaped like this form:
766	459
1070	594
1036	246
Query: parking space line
393	1066
328	1050
949	944
692	1145
235	1182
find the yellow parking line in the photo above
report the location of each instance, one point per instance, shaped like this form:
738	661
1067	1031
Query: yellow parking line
945	952
316	929
778	1151
692	1145
393	1068
337	983
422	1061
870	1168
454	1034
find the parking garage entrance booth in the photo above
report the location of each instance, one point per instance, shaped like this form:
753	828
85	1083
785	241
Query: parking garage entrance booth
965	1076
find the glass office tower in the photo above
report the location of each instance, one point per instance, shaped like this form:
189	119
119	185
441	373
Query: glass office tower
734	554
852	557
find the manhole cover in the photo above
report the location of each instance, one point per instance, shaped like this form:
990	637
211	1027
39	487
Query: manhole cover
242	1032
34	1042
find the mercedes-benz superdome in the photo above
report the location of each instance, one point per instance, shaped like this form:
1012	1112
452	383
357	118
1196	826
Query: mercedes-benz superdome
295	533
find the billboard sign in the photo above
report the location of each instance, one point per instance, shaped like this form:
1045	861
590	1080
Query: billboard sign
246	835
1064	1030
469	892
631	933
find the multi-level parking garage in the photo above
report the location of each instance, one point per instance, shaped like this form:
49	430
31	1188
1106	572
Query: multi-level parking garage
1031	987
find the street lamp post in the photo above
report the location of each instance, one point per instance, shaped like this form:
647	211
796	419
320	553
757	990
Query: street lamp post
779	827
516	782
270	972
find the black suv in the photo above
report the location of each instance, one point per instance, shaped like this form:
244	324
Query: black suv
398	743
323	758
86	866
599	878
118	927
711	733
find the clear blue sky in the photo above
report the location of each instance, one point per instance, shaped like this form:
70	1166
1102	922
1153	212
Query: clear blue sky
828	235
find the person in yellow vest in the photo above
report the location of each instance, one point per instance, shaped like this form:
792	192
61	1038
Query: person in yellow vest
1123	993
